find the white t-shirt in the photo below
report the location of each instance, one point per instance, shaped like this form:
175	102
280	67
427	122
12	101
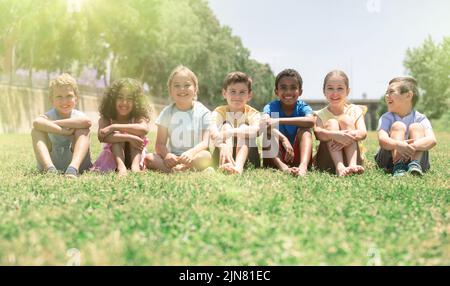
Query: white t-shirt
185	128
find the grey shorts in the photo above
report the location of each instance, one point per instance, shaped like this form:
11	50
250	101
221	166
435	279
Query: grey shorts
62	156
383	158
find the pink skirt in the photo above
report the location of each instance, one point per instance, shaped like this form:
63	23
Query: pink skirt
107	163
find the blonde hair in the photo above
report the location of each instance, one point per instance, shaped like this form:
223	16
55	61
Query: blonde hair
63	80
336	73
190	74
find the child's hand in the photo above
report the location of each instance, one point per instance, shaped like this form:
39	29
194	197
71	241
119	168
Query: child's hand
186	158
344	138
336	146
226	156
267	123
289	156
405	149
171	160
67	131
105	131
136	142
353	133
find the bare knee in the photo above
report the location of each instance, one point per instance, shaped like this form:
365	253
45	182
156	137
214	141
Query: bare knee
332	124
204	155
226	126
416	130
35	133
304	133
398	126
346	123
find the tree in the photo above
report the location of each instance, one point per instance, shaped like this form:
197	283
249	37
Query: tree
429	64
143	39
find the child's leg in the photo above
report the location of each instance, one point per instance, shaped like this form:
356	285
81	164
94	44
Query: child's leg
241	155
154	162
305	137
42	147
350	151
336	156
398	131
225	163
271	151
202	160
416	131
80	147
135	155
118	149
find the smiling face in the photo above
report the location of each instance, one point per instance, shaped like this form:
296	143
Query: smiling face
182	89
237	95
396	101
64	100
124	103
336	91
288	90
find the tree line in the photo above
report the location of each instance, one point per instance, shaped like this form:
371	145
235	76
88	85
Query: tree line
143	39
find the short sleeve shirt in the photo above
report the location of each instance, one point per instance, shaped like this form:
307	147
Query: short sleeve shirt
274	110
185	128
62	141
387	119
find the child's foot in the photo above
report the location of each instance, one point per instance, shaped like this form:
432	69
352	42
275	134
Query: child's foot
414	168
52	170
343	171
122	173
71	172
230	168
400	169
209	170
356	169
287	170
301	170
180	168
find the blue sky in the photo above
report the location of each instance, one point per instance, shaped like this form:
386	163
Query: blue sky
367	39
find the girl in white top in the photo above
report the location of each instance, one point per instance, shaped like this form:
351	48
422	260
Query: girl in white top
182	140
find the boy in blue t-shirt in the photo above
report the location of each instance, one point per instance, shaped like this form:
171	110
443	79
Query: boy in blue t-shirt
289	120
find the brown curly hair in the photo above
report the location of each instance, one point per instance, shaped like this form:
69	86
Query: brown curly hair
141	108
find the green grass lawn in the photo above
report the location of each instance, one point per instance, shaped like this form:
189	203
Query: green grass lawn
263	217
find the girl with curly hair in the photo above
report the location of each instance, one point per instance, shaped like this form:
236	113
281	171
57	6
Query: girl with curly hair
123	125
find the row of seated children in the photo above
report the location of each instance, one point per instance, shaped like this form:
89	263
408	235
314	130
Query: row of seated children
186	128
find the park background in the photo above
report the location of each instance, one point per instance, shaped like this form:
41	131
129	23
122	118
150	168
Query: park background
263	217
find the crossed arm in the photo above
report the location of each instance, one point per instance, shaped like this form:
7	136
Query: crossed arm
61	126
422	144
118	133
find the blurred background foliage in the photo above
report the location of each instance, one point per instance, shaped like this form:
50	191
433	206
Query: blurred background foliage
146	39
143	39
